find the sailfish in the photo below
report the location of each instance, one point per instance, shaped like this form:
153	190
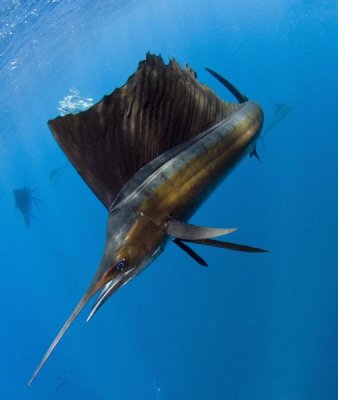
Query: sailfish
24	199
152	152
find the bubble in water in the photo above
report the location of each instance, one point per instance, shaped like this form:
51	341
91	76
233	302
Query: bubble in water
73	103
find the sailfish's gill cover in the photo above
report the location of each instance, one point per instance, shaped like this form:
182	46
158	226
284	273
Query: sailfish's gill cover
160	106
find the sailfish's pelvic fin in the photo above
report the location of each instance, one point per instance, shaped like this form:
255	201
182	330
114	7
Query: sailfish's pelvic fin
227	245
190	252
185	231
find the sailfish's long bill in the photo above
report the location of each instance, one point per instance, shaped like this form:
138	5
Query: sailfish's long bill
152	152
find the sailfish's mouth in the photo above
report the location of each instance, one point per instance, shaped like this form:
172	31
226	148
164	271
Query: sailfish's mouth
118	281
109	288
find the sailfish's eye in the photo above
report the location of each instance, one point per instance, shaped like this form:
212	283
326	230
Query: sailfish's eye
121	264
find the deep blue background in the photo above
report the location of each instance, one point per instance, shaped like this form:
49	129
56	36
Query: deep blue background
250	326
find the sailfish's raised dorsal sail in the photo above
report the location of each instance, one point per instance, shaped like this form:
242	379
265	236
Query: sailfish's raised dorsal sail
160	106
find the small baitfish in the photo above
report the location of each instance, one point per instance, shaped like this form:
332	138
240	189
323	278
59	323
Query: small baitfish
152	152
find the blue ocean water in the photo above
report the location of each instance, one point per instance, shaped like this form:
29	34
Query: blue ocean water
251	326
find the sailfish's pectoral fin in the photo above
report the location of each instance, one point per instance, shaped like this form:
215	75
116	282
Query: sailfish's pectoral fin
184	231
228	245
190	252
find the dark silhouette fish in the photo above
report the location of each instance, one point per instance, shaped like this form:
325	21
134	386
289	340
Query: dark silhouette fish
281	111
24	199
56	173
152	152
